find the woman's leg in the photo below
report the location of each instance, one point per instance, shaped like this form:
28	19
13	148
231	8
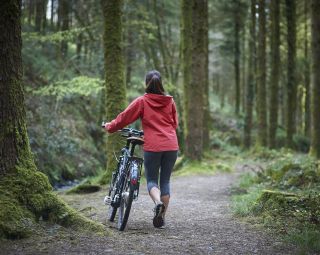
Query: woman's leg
152	162
167	163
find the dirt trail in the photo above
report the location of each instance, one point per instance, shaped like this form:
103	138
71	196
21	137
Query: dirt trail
199	221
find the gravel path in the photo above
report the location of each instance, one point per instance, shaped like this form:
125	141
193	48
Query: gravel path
199	221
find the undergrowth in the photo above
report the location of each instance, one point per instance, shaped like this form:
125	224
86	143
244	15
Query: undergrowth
284	197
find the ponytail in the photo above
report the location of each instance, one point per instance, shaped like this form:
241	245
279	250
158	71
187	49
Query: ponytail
154	83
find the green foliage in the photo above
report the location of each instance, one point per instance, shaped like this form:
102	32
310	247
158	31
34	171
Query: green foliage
78	86
292	173
284	197
64	128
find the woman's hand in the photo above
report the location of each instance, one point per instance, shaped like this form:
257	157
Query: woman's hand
105	125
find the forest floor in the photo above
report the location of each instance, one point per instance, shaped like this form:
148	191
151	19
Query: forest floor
199	221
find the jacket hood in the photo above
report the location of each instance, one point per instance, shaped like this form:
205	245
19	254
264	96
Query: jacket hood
157	101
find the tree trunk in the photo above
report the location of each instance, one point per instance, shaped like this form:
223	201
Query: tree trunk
186	42
52	13
244	62
114	73
39	15
291	71
31	11
237	57
194	62
307	118
25	193
206	105
275	64
262	93
315	79
64	12
251	78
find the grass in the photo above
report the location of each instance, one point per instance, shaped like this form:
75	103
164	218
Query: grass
245	199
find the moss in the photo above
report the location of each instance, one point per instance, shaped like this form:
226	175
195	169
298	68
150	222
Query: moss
26	196
84	188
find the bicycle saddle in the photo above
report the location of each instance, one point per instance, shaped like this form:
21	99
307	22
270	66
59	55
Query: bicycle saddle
135	140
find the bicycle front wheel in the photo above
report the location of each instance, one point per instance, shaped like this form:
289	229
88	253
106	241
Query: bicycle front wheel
125	206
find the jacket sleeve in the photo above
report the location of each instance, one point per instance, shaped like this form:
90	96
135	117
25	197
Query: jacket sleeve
129	115
175	116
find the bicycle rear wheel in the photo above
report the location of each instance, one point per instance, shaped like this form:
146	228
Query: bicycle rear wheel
125	206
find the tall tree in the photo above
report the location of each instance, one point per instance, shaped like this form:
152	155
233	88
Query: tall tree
291	71
195	19
275	66
307	118
261	77
114	72
186	42
206	105
251	77
25	193
64	8
236	16
315	78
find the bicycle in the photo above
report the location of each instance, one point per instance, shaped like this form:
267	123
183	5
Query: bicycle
125	181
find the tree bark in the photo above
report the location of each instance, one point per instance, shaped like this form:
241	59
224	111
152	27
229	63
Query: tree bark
237	57
206	104
64	12
262	93
251	78
194	62
307	116
25	193
14	144
114	72
291	71
275	64
315	79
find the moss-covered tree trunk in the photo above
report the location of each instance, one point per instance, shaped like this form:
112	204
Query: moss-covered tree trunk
193	51
196	79
307	115
261	77
206	105
236	62
315	78
114	73
251	78
185	47
275	64
25	193
291	71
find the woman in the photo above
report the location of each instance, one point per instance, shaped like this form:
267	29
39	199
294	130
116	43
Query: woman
159	122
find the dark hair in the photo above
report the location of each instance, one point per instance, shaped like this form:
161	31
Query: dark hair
154	83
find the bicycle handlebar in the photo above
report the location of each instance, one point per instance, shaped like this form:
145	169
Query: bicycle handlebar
127	132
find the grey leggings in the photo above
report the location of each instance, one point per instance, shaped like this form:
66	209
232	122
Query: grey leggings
153	161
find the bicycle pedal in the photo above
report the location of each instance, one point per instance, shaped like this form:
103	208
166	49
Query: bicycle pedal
107	200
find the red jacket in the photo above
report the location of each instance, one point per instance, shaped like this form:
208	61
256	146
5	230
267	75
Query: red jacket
159	121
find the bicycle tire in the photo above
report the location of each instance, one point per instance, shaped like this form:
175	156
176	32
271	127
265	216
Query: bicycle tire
125	207
112	213
112	210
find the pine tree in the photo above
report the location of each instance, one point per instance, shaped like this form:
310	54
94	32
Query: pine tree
115	97
291	71
261	77
315	77
194	72
275	64
251	77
